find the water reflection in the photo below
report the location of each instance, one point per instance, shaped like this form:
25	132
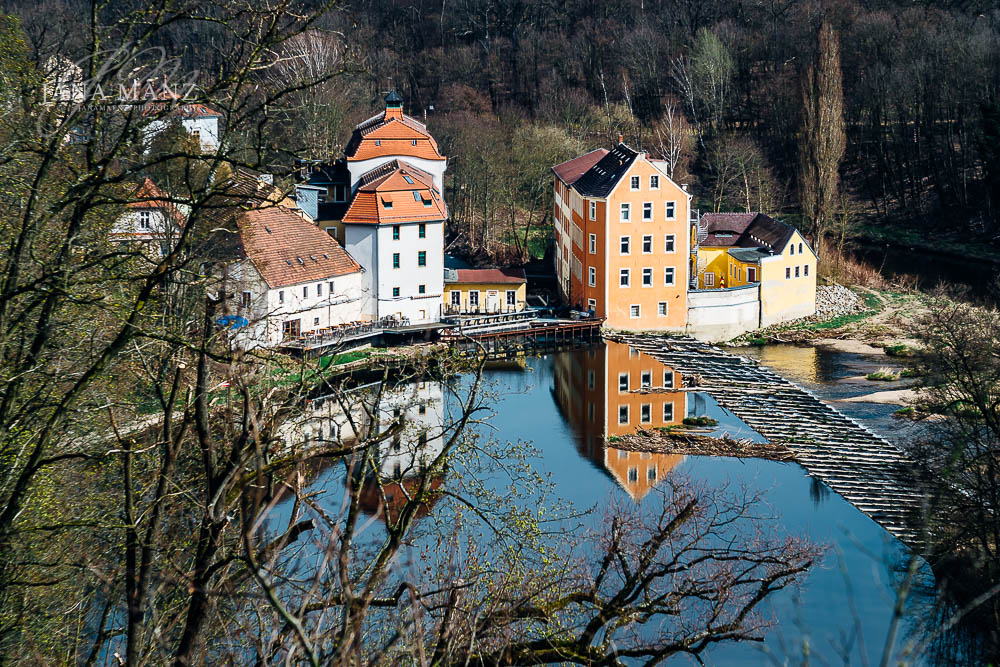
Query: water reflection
414	413
609	391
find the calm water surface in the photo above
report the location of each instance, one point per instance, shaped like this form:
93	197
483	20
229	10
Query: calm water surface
572	407
549	404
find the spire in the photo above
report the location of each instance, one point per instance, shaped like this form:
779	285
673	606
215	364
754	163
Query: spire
393	105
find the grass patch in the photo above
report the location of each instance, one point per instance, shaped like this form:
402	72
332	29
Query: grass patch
838	322
905	413
911	373
613	439
899	350
883	375
700	421
759	342
345	358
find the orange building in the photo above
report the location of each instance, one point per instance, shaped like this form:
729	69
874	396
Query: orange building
622	239
610	391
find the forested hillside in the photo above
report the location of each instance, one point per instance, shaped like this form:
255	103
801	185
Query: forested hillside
509	87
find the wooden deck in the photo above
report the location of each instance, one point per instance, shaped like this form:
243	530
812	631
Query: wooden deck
867	470
527	336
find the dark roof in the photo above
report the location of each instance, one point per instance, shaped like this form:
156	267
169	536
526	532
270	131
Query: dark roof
393	97
724	229
327	173
768	232
745	230
601	179
749	255
569	171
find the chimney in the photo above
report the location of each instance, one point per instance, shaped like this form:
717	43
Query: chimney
621	138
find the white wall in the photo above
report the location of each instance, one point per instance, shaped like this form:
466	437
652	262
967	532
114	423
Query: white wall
127	225
435	168
207	127
350	301
373	247
721	314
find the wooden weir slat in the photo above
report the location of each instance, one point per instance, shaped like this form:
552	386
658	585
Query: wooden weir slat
864	468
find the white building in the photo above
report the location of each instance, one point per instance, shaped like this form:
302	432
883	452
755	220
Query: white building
200	121
395	228
150	221
384	202
292	279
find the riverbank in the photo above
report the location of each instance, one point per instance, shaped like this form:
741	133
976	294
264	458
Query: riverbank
869	321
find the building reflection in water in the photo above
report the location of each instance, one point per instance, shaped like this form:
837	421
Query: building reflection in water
402	459
611	390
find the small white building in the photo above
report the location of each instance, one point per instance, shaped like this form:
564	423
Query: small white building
395	228
151	221
200	121
292	279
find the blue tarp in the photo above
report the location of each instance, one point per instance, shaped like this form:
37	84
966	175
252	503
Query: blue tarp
232	321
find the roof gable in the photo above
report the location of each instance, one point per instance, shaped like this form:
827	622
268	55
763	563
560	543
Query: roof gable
147	195
601	179
746	230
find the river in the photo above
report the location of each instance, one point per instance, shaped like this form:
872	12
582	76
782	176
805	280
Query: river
573	405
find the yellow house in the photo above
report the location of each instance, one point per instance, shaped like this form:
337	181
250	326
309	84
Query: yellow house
484	291
737	249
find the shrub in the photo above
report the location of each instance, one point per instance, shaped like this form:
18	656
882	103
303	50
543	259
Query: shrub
898	350
700	421
884	374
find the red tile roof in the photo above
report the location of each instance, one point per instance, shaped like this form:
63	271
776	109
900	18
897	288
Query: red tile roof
288	249
385	196
569	171
490	276
391	133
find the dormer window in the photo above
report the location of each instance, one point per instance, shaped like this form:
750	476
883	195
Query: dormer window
386	203
416	196
407	178
413	142
378	142
144	219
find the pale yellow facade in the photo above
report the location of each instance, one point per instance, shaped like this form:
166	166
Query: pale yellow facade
462	298
788	283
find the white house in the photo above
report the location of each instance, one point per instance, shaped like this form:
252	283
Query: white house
200	121
292	279
395	228
150	220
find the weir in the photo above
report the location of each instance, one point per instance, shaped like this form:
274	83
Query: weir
871	473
